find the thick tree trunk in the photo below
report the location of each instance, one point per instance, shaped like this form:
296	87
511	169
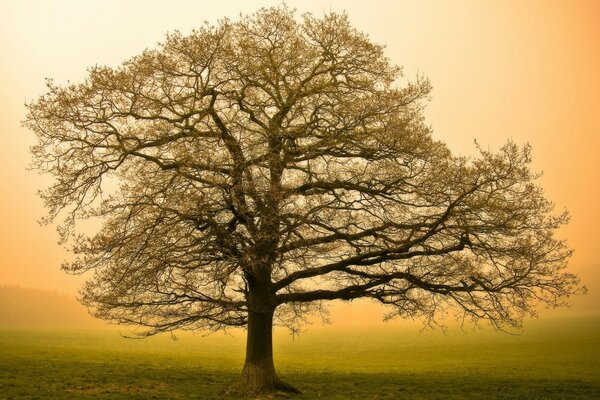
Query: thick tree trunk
259	370
258	375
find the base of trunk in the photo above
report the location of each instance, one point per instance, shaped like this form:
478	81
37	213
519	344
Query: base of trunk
254	381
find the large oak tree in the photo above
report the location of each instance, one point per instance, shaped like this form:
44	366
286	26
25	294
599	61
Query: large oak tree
250	171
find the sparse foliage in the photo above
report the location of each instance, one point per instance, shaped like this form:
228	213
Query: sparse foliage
267	165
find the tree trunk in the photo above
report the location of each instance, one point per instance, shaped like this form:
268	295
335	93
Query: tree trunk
258	375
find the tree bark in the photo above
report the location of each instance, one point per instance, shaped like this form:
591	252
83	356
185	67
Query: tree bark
258	375
259	370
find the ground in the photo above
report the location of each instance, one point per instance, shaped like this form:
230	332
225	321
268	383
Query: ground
556	359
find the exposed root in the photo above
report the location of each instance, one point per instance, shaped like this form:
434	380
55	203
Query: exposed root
286	387
245	389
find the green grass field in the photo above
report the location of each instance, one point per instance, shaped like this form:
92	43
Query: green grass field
555	359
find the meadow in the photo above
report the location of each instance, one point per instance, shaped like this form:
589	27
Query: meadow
553	359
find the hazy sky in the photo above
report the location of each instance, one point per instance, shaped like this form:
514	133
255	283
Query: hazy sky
525	70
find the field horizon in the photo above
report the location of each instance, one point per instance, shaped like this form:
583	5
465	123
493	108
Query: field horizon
549	359
29	307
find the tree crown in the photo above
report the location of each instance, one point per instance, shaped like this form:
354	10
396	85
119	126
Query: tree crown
275	156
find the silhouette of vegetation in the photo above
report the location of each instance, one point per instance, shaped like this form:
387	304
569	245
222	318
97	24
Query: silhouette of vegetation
251	171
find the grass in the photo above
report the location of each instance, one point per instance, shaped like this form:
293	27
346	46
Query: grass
558	359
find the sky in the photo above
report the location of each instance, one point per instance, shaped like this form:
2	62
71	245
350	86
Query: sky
524	70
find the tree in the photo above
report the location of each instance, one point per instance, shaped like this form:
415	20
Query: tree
253	170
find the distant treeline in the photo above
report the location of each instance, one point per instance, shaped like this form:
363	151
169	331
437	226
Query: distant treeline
24	307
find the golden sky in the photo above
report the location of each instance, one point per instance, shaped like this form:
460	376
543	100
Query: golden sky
528	70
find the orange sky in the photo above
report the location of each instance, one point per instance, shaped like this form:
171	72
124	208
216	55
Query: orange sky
526	70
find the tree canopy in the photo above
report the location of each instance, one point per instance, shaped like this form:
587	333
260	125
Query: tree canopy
270	164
